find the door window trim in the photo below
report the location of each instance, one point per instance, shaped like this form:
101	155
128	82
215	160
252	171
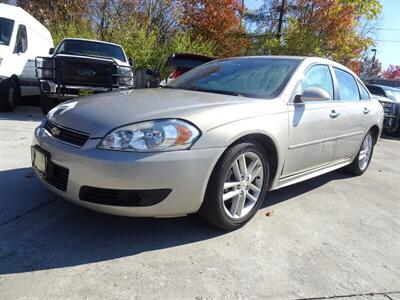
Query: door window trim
338	86
293	94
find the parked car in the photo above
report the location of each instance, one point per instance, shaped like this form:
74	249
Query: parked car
22	38
213	141
174	66
389	97
79	67
391	108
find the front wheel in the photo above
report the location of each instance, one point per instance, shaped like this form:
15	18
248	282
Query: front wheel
237	186
362	160
9	97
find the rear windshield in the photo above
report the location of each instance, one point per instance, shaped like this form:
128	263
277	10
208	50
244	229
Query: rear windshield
187	63
78	47
6	29
256	77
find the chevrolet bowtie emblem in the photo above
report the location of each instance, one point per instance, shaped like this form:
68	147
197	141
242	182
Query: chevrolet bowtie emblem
55	131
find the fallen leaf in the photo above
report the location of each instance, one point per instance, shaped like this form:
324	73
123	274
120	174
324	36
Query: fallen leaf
269	213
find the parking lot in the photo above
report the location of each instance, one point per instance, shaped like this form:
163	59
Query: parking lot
333	236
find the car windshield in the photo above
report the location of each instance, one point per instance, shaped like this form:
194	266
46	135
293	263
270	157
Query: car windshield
90	48
393	94
255	77
6	29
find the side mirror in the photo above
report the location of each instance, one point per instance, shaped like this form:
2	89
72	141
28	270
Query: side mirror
130	60
313	94
18	48
51	51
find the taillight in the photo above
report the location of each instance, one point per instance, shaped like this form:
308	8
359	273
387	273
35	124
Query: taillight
176	74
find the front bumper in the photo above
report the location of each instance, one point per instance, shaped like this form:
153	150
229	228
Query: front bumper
184	173
65	91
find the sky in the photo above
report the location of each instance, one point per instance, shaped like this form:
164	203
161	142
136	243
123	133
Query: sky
386	35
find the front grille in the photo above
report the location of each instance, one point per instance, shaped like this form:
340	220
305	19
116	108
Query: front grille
57	177
66	135
85	73
129	198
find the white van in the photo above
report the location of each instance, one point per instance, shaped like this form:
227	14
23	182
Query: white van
22	39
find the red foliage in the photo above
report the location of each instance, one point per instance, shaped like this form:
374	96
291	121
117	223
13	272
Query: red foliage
392	73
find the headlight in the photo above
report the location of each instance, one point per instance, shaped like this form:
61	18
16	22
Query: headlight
125	76
45	67
152	136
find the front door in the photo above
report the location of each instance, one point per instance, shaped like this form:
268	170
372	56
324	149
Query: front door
313	126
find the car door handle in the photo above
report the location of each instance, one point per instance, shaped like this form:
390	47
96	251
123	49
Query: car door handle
334	114
366	111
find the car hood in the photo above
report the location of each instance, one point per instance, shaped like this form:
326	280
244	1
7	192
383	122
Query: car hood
99	114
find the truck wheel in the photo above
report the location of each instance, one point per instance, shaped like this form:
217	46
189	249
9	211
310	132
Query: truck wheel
47	103
393	131
237	186
10	95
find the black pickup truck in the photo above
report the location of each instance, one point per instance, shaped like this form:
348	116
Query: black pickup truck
79	67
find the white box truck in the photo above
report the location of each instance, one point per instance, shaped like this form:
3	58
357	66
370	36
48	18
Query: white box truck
22	39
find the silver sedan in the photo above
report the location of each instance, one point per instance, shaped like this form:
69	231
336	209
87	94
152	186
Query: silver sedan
214	141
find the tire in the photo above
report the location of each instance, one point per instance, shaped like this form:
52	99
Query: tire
358	167
47	103
10	95
230	214
393	131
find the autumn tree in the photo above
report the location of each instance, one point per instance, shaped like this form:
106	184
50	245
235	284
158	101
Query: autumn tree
370	68
216	21
327	28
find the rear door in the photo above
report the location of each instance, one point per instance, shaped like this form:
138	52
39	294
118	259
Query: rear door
312	126
354	107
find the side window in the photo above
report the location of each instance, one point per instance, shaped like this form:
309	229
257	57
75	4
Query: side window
317	76
376	91
348	88
21	44
363	92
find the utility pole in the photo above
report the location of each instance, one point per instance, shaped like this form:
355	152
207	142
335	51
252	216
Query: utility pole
282	11
373	58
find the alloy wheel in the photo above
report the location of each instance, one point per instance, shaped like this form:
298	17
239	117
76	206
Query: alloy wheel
243	185
365	153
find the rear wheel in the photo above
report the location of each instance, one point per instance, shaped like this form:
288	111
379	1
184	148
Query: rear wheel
47	103
10	95
362	160
237	186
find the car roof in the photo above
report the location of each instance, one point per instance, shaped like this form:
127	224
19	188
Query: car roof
192	56
89	40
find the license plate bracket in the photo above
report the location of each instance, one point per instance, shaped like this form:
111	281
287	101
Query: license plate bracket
85	92
40	161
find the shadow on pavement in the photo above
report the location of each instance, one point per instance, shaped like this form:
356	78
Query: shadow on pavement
59	234
27	110
390	137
